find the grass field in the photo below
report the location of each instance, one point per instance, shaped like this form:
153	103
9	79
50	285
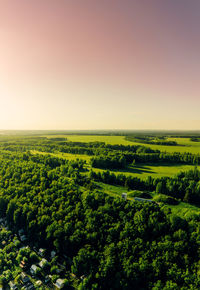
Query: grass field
111	189
184	210
67	156
141	171
185	144
94	138
156	171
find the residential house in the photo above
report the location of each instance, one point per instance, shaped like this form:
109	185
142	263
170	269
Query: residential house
124	195
34	269
59	283
43	263
12	285
25	279
41	252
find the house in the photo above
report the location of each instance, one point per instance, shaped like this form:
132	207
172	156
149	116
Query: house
43	263
41	252
25	279
59	283
124	195
12	285
53	254
38	283
143	199
82	277
22	264
34	269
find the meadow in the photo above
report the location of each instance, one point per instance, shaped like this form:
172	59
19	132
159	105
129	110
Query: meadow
143	171
184	144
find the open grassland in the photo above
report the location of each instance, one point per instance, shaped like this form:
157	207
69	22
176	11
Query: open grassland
112	190
141	170
155	171
184	210
94	138
184	144
67	156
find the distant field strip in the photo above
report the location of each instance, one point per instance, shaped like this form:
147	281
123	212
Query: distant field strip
143	171
94	138
189	146
67	156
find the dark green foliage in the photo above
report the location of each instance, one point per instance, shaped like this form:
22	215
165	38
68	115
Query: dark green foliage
151	140
109	242
185	186
166	199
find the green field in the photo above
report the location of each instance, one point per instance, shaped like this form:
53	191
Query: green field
67	156
184	210
185	144
141	171
155	171
94	138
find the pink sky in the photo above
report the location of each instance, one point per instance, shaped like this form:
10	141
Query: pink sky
99	64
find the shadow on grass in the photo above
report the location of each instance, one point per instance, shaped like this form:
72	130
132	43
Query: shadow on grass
135	169
144	168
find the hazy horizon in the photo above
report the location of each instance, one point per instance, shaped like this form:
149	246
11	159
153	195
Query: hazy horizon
69	65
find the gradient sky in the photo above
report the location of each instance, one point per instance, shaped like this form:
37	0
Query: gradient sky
99	64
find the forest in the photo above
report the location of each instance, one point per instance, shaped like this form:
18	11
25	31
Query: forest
101	241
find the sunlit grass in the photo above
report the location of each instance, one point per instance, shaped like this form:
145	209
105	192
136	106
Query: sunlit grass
184	210
67	156
156	171
185	144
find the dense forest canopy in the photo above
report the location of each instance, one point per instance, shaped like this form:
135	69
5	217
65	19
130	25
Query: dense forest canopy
102	241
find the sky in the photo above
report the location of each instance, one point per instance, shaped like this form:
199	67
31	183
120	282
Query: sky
107	64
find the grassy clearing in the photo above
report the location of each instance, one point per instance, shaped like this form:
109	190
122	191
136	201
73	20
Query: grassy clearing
112	190
94	138
156	171
185	145
184	210
142	171
67	156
